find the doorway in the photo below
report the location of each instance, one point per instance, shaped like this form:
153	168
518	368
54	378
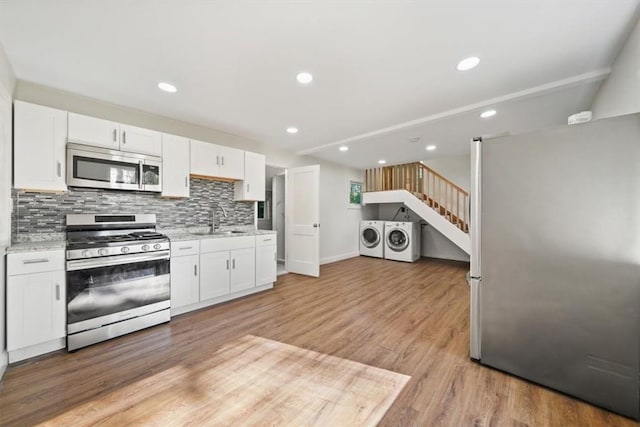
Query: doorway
271	212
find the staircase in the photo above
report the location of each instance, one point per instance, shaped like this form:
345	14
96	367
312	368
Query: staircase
440	202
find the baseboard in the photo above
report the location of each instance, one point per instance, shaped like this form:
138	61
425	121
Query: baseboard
329	260
4	362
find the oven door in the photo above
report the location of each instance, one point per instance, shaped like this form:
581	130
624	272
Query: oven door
105	290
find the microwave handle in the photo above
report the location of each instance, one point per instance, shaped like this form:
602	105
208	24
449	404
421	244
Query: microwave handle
140	163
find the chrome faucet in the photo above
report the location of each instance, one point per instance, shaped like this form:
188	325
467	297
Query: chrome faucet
213	217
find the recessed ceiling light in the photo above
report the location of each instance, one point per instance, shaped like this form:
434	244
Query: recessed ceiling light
488	113
382	162
468	63
167	87
343	148
292	130
304	78
431	147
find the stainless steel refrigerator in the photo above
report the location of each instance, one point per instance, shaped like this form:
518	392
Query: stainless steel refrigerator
555	265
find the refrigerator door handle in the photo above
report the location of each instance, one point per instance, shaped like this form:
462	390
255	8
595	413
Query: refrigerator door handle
475	205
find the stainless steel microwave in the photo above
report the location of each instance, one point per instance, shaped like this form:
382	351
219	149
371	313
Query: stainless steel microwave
96	167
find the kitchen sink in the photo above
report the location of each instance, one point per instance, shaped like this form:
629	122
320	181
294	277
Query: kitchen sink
220	233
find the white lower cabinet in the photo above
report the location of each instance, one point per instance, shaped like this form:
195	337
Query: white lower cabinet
228	266
211	271
243	269
214	280
266	259
36	303
185	277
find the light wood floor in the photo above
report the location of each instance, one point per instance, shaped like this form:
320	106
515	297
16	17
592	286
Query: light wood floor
408	318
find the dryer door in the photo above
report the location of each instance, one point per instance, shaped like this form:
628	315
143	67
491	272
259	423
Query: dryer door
397	240
370	237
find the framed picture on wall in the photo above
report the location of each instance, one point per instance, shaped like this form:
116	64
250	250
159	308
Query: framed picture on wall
355	194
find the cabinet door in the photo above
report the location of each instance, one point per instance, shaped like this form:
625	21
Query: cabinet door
243	269
140	140
204	158
266	265
175	166
253	186
36	309
185	283
93	131
231	163
214	274
40	136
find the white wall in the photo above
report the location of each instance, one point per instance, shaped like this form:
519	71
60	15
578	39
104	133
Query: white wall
620	93
455	168
7	85
339	224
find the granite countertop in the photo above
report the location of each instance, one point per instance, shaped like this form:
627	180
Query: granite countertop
180	235
43	245
54	241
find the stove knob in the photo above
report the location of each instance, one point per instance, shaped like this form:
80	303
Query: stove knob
145	247
124	249
102	252
156	246
85	254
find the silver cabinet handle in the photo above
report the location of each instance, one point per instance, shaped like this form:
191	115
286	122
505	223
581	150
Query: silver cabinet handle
222	164
115	135
185	247
247	188
275	256
35	261
141	173
124	136
234	263
186	181
218	160
57	292
316	225
195	270
59	169
227	264
266	240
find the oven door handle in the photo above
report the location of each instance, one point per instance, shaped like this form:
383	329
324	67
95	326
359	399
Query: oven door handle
83	264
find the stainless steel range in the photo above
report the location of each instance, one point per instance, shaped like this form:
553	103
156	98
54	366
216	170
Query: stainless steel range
117	277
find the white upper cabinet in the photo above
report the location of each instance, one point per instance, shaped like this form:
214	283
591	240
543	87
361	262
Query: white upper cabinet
113	135
216	161
93	131
204	158
140	140
40	135
231	162
175	166
253	185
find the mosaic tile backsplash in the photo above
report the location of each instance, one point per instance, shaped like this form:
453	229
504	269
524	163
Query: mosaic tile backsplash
46	213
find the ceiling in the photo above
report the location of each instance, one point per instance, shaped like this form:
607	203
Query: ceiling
384	71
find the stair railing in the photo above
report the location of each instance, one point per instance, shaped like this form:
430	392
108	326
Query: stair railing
439	193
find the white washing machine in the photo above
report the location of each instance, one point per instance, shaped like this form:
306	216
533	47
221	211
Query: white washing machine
372	238
402	241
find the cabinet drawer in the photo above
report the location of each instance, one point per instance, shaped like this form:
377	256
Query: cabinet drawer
227	243
187	247
266	240
35	262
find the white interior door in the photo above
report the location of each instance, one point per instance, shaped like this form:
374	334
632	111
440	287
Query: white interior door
302	207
